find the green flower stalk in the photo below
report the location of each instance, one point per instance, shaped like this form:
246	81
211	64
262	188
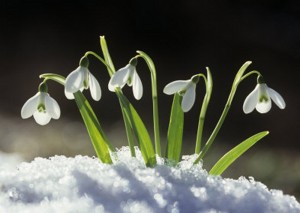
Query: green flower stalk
208	86
152	70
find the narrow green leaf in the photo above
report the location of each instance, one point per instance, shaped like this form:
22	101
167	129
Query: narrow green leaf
107	55
235	153
99	140
240	73
140	131
175	130
97	136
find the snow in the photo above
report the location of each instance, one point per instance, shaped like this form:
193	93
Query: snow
84	184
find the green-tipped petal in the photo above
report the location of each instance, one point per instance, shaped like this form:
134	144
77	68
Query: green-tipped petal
264	106
42	118
264	103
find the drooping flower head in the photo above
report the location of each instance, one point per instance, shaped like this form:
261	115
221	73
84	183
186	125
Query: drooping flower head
186	88
81	78
127	75
41	106
261	98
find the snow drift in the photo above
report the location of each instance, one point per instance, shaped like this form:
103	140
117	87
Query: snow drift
84	184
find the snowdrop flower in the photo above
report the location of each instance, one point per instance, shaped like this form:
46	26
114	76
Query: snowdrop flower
81	78
127	75
260	98
41	106
186	88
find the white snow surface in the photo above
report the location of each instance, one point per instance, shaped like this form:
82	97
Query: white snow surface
84	184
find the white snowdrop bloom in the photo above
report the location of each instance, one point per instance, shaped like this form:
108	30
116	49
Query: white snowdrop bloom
42	107
260	98
127	75
186	88
81	78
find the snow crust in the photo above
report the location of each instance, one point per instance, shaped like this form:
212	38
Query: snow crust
84	184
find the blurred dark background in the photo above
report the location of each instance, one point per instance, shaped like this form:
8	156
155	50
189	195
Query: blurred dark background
182	37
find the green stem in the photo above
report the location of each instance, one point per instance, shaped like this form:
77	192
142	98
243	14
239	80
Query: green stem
218	126
248	74
152	69
208	86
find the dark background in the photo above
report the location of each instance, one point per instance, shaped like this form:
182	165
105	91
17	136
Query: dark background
182	37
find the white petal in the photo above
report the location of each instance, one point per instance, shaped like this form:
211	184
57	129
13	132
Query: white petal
75	79
137	86
95	88
30	106
69	95
52	107
42	118
188	99
277	98
251	100
119	78
175	86
264	106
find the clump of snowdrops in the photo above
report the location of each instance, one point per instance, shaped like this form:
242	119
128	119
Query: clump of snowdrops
43	107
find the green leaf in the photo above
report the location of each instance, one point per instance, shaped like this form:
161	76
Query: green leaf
175	130
140	131
97	136
107	55
235	153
